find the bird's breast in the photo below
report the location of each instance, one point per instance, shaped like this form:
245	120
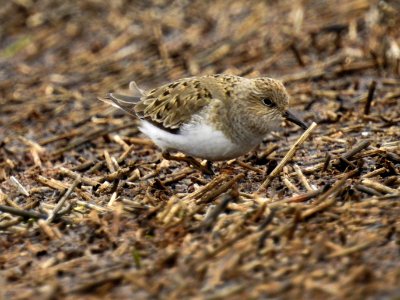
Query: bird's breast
203	140
197	139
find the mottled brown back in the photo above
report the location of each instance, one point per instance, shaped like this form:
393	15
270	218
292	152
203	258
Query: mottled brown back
173	104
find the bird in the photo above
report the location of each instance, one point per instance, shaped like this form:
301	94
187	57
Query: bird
213	117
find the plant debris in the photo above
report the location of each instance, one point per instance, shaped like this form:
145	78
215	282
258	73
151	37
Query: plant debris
88	206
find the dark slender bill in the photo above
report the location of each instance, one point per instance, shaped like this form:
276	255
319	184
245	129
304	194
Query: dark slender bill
292	118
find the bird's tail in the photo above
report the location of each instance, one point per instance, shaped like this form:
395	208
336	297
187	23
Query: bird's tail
125	102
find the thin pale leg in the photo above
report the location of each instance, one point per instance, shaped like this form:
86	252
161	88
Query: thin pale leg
191	161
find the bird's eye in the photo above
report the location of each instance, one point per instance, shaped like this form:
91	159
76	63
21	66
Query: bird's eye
268	102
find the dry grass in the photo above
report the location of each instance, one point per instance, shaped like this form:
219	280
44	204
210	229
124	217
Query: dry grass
89	208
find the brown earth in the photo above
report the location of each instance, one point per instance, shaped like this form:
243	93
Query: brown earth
134	226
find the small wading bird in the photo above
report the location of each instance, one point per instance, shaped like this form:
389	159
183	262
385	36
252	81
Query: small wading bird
213	117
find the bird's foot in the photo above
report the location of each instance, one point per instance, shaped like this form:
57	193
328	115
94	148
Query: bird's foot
191	161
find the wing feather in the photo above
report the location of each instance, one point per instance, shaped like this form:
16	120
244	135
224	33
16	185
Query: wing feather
173	104
168	106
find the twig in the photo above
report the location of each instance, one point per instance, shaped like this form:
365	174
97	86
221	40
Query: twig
96	280
177	176
354	150
379	187
220	248
125	154
120	159
289	184
268	151
32	144
30	214
120	141
19	186
53	183
353	249
117	174
328	198
22	213
112	198
370	97
62	200
315	70
83	166
327	161
74	175
299	198
367	190
287	157
320	207
213	215
209	186
220	189
249	167
134	176
265	222
109	162
92	206
303	179
51	232
61	186
56	138
297	55
9	223
91	136
9	201
346	161
375	173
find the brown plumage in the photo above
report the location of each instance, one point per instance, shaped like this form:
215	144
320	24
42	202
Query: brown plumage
215	117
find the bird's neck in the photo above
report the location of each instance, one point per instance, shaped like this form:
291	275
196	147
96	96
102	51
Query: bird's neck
240	128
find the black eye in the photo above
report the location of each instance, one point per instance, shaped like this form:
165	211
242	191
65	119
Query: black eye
268	102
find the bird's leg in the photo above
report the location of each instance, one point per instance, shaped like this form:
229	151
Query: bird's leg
191	161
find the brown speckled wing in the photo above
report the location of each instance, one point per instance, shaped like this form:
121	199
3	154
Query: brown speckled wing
173	104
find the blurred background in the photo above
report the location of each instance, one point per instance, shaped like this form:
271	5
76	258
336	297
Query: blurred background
335	57
59	55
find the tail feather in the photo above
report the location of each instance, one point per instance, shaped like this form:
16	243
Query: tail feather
133	87
125	102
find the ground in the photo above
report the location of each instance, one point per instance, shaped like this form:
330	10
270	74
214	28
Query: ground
132	225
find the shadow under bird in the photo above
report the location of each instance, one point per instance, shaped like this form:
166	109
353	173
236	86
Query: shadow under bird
213	117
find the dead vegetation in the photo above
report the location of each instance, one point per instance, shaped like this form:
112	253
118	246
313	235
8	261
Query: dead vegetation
88	206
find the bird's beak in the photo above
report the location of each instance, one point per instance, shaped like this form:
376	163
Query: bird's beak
292	118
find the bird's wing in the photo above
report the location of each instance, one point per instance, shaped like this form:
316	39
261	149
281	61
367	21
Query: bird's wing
172	105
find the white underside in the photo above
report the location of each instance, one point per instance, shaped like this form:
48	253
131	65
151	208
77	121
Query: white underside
198	140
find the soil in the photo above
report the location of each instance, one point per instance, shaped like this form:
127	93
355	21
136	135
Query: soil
90	209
